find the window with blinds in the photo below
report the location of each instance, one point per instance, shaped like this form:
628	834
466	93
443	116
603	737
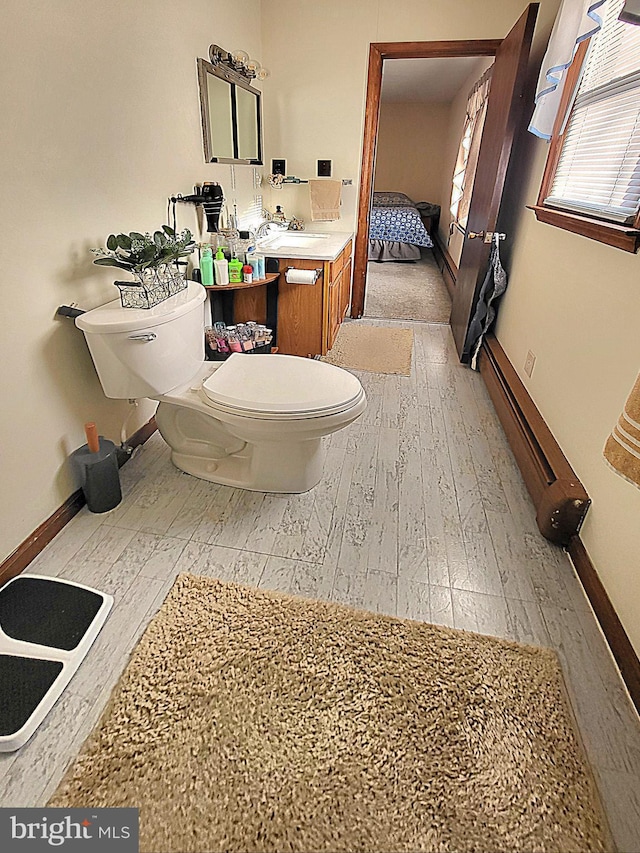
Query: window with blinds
598	171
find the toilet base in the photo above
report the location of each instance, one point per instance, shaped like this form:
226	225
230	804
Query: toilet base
261	468
203	447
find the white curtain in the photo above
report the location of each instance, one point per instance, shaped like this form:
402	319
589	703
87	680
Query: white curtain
577	20
465	168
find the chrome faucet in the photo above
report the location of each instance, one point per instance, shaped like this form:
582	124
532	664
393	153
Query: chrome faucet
263	229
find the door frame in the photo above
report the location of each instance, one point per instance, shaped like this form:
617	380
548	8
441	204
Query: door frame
378	53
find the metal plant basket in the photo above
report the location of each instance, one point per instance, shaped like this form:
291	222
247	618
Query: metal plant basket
152	288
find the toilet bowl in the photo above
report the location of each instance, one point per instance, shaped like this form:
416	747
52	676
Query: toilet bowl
258	423
252	422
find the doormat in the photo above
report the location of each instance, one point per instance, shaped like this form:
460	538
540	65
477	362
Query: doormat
375	349
249	720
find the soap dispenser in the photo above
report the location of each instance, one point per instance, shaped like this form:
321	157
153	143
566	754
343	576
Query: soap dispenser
221	265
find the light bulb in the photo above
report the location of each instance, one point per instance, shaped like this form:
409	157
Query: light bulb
253	66
240	56
262	74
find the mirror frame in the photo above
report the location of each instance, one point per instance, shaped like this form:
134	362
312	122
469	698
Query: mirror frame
205	68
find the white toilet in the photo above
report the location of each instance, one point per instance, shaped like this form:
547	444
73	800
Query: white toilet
255	422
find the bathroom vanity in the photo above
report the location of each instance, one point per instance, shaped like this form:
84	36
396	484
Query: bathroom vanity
309	315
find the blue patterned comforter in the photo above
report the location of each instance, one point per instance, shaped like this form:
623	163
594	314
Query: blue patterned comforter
398	223
385	199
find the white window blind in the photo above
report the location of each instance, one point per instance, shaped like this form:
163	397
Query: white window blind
598	172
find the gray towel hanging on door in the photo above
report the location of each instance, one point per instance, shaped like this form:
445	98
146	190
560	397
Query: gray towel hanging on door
493	286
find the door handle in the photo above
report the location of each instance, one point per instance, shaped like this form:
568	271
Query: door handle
486	236
149	336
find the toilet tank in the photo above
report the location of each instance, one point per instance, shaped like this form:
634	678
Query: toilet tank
140	352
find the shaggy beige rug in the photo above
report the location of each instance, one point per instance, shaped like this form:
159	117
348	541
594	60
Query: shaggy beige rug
376	349
252	721
402	291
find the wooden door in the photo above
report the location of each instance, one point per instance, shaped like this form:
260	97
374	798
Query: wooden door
503	114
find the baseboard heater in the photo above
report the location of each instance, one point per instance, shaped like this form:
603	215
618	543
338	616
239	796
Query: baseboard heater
559	497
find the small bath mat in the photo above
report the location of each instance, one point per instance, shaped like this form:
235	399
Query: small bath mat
374	349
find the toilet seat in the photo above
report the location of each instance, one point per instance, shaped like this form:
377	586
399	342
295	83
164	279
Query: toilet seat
280	387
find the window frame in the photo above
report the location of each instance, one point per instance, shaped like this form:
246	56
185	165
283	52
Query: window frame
625	237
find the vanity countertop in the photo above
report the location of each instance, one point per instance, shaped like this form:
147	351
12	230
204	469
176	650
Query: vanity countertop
306	245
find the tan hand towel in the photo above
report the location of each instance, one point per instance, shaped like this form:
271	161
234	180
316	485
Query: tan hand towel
622	449
325	200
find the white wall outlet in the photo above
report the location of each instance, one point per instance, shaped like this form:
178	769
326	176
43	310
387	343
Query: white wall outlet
529	363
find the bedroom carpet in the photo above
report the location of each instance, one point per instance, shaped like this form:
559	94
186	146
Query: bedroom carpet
249	720
405	291
374	349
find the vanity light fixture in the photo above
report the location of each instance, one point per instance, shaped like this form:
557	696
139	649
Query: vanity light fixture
238	62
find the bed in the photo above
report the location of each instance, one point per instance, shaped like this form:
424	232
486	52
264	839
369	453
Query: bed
396	230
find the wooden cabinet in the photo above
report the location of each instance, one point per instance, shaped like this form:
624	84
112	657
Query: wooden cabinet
335	313
345	293
309	315
339	293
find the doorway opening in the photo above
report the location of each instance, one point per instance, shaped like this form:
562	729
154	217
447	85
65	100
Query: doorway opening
422	120
503	114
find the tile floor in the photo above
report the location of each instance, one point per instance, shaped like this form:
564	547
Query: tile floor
422	513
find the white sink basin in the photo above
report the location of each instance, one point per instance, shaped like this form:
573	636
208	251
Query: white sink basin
304	245
294	239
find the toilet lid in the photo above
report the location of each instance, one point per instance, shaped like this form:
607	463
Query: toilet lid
281	385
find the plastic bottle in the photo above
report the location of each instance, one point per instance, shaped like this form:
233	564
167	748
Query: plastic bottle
206	267
247	273
235	271
220	331
222	268
244	336
235	344
252	260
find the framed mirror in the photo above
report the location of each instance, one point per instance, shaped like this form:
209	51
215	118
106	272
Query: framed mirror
231	113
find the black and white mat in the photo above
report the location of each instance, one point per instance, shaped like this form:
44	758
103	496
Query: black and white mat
47	626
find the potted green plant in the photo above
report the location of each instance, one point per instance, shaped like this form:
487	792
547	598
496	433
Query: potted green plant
153	262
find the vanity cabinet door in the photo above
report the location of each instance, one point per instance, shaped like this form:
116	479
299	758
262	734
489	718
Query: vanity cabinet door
300	308
335	307
345	289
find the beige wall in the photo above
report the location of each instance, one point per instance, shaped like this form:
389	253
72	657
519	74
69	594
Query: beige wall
410	149
318	55
100	124
574	302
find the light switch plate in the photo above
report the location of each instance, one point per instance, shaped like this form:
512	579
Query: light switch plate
529	363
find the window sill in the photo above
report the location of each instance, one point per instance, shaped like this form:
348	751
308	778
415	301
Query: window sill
623	237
